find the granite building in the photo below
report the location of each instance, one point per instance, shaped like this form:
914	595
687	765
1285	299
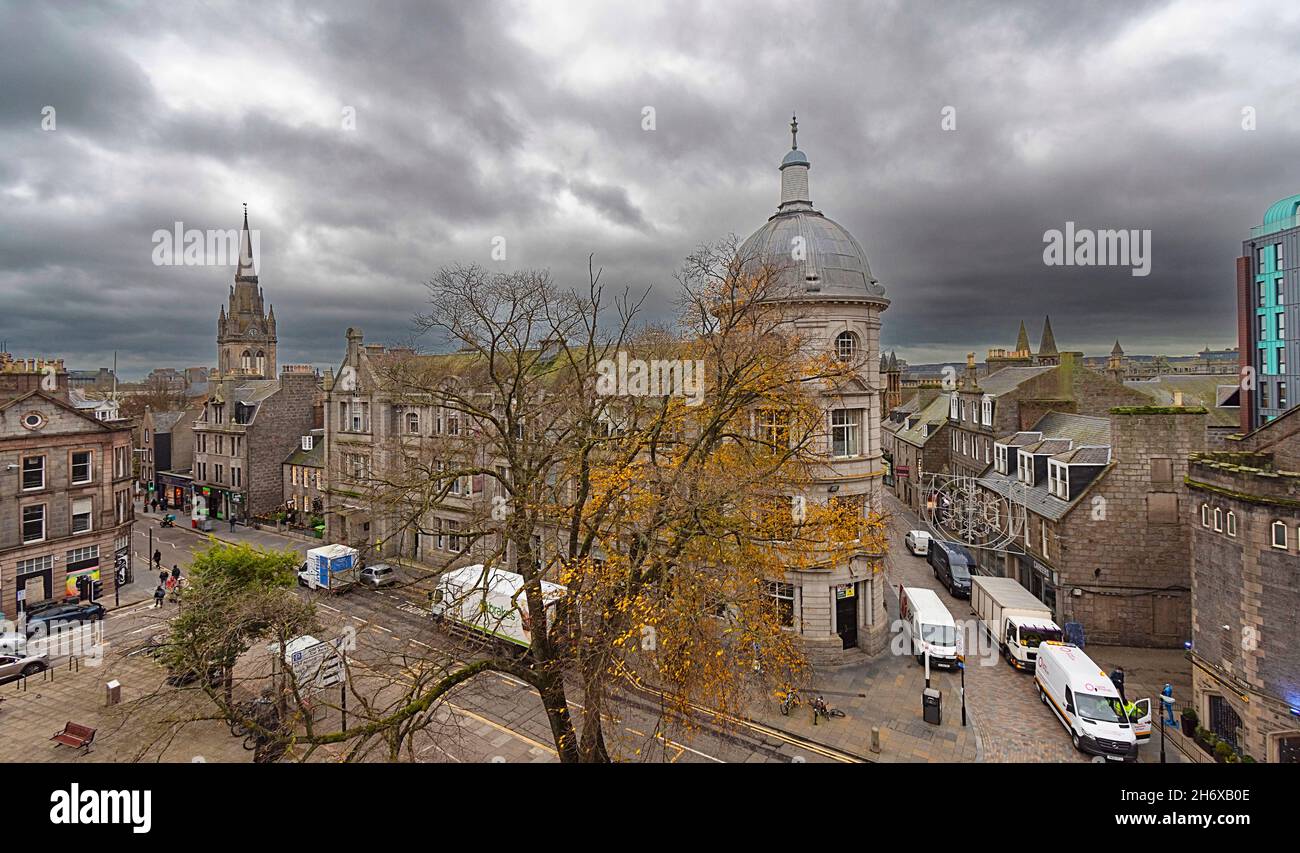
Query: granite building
1244	517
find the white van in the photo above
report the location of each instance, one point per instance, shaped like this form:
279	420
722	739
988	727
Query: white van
1083	698
929	626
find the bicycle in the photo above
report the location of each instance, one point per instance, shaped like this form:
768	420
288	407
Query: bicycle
821	709
791	700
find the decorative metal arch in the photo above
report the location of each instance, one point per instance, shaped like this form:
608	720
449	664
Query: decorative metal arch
968	510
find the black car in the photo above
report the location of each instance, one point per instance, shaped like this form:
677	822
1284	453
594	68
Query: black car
62	616
952	565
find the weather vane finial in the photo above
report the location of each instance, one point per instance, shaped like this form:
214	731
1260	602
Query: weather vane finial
794	132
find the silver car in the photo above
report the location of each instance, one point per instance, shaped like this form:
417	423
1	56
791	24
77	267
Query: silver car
378	575
12	666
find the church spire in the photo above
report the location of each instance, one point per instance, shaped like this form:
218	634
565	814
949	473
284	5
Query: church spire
1047	345
1022	342
246	270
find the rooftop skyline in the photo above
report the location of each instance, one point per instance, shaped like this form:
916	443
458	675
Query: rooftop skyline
636	136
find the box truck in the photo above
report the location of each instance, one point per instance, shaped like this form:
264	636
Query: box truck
928	625
1083	698
1012	618
332	568
490	602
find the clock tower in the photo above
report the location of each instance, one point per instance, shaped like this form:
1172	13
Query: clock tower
246	333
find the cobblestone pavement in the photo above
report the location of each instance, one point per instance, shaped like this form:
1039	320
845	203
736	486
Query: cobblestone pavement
1013	724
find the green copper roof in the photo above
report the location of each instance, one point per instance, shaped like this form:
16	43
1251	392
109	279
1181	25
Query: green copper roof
1280	216
1284	209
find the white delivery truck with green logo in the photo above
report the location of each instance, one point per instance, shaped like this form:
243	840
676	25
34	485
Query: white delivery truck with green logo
490	602
1013	618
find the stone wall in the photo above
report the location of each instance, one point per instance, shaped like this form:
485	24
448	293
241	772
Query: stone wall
1128	561
282	419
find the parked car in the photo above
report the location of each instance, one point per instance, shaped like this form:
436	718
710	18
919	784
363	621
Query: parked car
48	619
378	575
952	565
12	666
918	542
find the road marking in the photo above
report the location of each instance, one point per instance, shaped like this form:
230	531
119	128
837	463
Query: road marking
499	727
327	607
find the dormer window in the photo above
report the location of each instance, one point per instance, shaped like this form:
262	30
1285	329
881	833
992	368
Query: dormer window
1058	479
986	410
952	406
1025	468
1000	458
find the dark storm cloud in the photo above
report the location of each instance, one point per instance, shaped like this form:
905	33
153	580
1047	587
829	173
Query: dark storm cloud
525	122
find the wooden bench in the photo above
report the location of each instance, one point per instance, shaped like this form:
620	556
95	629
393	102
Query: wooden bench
74	735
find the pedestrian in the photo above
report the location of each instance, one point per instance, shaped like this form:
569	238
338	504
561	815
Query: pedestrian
176	572
158	595
232	522
1117	678
162	576
157	560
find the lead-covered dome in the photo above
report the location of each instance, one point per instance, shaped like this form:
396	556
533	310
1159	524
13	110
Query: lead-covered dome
820	257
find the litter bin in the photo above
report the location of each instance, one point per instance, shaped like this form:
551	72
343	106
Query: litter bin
206	526
932	705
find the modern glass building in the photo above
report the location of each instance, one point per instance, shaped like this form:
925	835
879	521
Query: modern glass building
1268	291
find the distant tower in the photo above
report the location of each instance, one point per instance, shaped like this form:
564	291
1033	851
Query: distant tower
1115	364
246	333
1021	356
1047	353
893	383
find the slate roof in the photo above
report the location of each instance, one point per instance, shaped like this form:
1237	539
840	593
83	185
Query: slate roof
164	421
1207	390
1010	378
1077	439
935	413
314	458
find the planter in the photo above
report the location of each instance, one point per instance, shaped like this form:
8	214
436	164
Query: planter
1188	722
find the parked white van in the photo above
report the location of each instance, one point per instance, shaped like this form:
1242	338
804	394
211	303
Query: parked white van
1085	701
929	626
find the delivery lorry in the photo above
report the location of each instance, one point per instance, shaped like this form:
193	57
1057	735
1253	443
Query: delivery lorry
332	568
1012	618
1085	701
928	626
490	602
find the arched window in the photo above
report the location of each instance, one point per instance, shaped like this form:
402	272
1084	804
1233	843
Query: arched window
1218	520
846	346
261	362
1279	534
1205	515
246	360
413	423
1232	523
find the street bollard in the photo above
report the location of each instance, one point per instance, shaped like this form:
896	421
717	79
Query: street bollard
113	692
875	738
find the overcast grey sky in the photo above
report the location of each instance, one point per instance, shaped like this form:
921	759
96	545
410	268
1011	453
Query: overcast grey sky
477	120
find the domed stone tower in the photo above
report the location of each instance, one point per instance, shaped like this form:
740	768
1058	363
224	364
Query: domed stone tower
835	302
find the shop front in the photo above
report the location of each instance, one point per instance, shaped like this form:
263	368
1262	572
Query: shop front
175	491
212	503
